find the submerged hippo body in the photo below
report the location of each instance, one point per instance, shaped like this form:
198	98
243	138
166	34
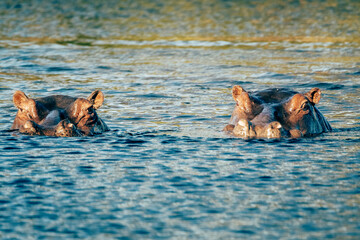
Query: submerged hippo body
59	115
276	113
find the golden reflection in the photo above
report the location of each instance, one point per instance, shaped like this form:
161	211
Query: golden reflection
234	21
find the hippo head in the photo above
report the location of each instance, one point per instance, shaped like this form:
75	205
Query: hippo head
275	113
28	109
82	112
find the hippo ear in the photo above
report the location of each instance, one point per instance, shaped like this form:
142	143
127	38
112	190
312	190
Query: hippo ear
236	91
242	98
20	99
96	98
314	95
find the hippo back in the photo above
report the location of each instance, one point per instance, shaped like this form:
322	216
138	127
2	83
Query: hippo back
274	95
56	101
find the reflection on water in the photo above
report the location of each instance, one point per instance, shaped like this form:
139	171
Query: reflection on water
166	170
207	20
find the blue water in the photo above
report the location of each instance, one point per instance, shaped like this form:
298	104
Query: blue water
165	170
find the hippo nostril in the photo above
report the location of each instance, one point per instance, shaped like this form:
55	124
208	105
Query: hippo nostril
275	125
28	124
244	128
243	123
274	130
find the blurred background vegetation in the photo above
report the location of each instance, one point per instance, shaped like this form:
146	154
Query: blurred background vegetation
211	20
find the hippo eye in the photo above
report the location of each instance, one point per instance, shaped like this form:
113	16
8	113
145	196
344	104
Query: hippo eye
90	110
305	106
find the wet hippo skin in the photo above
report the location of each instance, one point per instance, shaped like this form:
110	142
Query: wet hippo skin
63	129
59	115
275	113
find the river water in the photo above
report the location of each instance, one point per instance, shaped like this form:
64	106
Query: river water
165	170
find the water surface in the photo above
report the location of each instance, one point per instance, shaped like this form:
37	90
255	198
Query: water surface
165	170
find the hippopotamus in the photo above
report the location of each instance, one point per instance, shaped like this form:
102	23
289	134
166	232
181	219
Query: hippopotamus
275	113
59	115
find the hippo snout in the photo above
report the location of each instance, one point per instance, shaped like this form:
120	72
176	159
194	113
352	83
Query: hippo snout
244	129
273	130
247	129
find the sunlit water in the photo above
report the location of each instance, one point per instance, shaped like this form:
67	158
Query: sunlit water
165	170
